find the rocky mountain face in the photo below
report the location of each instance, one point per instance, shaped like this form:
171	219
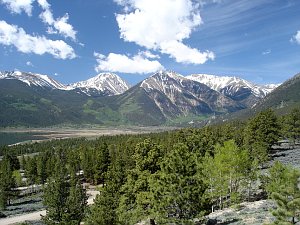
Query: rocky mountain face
177	95
37	100
32	80
235	88
104	84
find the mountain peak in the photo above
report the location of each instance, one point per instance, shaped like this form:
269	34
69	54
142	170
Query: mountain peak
222	83
168	73
107	83
32	79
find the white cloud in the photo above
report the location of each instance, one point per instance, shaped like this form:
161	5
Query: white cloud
266	52
124	64
296	37
17	6
205	2
13	35
184	54
149	55
59	25
28	63
159	28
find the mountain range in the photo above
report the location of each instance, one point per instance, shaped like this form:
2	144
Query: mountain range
29	99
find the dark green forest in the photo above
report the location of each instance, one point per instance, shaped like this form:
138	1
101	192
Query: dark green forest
174	177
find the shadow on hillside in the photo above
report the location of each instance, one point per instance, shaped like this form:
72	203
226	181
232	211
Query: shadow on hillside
30	201
215	222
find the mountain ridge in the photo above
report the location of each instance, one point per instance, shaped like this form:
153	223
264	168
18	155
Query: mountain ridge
184	95
238	89
106	83
162	98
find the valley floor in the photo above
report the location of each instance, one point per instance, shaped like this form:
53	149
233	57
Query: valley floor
40	134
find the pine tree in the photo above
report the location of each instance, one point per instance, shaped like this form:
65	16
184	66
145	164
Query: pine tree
41	170
177	189
7	183
101	163
263	129
31	170
75	203
286	196
65	201
278	176
136	199
55	196
292	125
103	211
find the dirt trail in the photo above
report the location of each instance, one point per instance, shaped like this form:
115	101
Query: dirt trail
37	215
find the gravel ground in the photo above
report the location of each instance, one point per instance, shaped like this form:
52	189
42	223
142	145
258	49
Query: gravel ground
254	213
287	156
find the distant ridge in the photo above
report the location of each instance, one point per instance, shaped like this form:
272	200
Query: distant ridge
166	97
235	88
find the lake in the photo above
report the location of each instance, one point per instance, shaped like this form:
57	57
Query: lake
8	138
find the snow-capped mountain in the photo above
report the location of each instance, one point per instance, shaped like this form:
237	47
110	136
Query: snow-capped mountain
175	94
32	79
38	100
234	87
103	84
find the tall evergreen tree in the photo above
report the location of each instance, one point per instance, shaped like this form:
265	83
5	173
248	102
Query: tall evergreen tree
136	199
41	169
75	203
178	189
65	200
7	183
292	125
103	211
55	196
101	163
263	129
286	196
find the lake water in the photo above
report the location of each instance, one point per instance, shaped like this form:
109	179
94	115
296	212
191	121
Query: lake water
8	138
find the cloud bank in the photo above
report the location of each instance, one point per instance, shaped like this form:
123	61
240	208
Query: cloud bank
17	6
296	37
163	28
124	64
12	35
59	25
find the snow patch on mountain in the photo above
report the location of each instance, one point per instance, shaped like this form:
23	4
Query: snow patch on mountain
33	79
108	83
232	84
176	94
163	81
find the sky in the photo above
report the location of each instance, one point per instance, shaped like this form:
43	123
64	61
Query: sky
74	40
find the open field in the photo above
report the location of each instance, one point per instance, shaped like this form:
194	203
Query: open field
20	135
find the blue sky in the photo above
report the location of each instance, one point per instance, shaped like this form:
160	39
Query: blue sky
73	40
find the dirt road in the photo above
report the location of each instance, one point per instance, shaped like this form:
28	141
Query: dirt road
37	215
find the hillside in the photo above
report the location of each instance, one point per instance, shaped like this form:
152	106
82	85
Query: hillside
283	98
166	97
35	106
